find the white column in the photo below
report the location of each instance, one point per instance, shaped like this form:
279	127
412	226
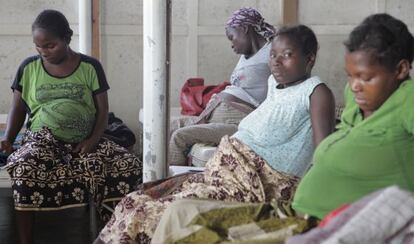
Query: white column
155	90
85	26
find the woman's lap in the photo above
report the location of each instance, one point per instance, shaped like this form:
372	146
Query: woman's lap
218	119
235	173
46	175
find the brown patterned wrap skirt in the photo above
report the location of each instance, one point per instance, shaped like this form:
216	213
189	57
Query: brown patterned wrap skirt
47	175
235	173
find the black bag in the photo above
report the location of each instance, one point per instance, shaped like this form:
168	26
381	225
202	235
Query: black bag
3	159
118	132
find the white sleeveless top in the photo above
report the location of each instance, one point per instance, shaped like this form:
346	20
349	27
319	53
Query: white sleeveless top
280	129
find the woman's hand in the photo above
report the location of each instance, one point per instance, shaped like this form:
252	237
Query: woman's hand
6	146
15	121
101	122
87	146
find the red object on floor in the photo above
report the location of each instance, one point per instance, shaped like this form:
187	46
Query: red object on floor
332	215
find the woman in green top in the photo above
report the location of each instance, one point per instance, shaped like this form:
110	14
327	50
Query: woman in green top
63	159
374	145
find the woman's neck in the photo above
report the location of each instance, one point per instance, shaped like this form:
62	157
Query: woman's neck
66	66
293	83
67	58
257	43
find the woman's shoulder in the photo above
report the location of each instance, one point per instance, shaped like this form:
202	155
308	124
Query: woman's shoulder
89	59
262	56
407	87
266	47
29	60
404	96
91	62
314	80
264	52
311	83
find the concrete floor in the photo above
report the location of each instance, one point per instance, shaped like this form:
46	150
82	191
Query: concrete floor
69	226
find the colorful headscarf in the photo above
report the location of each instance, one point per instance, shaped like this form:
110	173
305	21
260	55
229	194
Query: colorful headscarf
251	17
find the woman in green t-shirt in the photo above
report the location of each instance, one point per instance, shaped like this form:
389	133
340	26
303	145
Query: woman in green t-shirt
63	159
374	145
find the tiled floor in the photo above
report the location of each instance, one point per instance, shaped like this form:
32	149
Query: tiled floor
70	226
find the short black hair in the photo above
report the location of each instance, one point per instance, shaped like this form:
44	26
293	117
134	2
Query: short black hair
302	36
55	23
386	37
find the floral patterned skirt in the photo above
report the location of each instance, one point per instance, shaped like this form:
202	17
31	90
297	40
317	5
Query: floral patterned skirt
47	175
235	173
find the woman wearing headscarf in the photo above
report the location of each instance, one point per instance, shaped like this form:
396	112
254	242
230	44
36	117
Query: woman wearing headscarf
250	37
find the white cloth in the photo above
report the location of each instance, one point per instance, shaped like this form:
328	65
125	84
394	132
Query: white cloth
248	80
280	129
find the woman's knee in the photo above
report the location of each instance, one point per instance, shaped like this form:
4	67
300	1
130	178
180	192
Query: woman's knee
179	136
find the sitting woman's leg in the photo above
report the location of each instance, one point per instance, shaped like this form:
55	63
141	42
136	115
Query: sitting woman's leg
229	114
183	139
25	221
234	173
122	171
40	178
46	175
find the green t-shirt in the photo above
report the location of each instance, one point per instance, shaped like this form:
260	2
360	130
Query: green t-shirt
63	104
363	156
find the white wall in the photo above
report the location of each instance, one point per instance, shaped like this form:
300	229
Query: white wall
16	43
199	46
333	20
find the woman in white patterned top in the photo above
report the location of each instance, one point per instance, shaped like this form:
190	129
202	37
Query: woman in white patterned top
299	109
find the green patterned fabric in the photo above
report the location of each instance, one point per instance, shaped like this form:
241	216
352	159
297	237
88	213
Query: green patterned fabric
258	223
